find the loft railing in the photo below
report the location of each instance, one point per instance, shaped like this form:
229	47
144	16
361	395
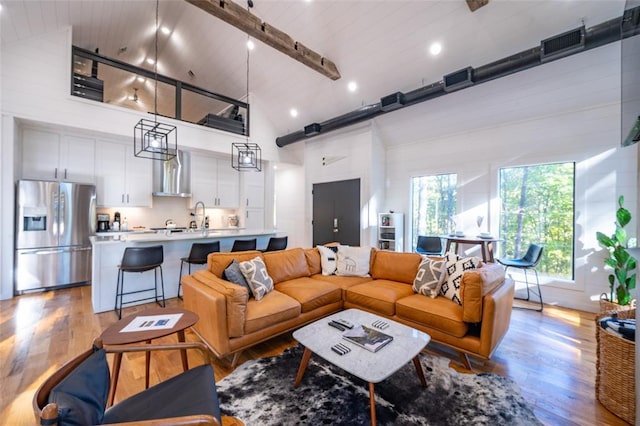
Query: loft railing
108	80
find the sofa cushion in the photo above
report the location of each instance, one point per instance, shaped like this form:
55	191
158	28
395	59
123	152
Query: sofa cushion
394	266
217	262
475	285
455	267
439	313
256	274
82	395
353	261
274	308
286	264
233	274
310	293
236	298
313	261
379	295
429	277
328	259
342	282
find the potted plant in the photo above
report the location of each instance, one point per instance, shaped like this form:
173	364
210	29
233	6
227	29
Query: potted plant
619	259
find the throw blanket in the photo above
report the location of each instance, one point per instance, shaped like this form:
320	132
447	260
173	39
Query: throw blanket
625	328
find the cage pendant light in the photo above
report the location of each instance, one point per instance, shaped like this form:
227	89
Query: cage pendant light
152	139
246	156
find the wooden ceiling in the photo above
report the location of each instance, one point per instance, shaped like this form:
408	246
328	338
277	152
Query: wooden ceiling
383	46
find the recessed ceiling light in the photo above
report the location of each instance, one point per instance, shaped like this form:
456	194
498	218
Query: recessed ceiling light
352	86
150	61
141	79
293	112
165	30
250	44
435	48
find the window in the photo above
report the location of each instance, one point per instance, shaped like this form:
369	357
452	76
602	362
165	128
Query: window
433	204
537	206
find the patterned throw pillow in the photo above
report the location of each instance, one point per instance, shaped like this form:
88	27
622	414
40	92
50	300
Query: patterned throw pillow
233	274
429	277
255	272
454	270
328	259
353	261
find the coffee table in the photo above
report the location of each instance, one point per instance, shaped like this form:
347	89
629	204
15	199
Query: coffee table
114	335
372	367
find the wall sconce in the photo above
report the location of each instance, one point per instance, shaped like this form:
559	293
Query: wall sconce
157	141
246	157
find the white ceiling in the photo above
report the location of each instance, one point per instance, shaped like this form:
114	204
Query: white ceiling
382	45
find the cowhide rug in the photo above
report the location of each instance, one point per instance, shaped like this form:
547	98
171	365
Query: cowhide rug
261	392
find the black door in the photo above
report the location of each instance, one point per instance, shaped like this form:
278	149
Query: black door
336	212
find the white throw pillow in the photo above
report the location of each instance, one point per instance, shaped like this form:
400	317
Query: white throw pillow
429	277
255	272
353	261
454	269
328	259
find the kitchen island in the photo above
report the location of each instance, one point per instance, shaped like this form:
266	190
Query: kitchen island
109	248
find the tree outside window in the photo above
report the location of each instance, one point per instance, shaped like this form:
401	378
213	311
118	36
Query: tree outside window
433	204
537	206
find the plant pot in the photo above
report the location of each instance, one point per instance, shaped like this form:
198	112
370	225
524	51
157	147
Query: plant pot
607	306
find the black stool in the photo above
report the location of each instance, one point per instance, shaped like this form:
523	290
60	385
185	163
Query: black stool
276	243
244	245
197	256
529	261
140	259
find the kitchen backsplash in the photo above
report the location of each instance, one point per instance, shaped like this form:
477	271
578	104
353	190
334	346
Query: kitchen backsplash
163	209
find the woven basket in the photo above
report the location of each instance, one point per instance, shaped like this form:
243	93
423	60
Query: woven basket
615	371
606	306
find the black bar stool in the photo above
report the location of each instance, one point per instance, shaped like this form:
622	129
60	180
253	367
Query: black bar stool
244	245
197	256
529	261
276	243
139	259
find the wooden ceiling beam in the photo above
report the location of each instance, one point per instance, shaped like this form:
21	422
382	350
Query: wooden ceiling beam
476	4
244	20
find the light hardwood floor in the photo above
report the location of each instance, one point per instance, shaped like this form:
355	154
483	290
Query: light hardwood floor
550	355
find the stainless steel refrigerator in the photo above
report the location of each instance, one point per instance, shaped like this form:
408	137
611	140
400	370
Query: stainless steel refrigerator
53	223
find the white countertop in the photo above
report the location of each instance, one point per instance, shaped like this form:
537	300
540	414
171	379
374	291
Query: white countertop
151	236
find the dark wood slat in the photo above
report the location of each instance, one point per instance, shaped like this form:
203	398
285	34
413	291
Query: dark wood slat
550	355
244	20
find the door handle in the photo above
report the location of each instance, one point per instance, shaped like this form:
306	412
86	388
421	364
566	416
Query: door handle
335	224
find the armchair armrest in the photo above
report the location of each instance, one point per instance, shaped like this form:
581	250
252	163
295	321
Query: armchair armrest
496	316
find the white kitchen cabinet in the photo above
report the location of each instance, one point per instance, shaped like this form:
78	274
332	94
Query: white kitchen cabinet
52	156
122	179
253	190
253	219
214	182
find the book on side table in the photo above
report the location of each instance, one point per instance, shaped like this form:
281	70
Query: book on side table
368	338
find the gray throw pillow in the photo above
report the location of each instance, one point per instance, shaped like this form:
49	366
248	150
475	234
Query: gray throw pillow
429	277
233	274
255	272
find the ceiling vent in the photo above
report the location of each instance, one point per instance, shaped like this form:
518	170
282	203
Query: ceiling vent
562	45
392	102
312	129
459	79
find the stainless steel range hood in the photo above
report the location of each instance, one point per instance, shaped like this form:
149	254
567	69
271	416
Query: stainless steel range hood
172	178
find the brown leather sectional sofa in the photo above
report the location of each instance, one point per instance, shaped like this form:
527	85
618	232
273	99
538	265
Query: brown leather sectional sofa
230	321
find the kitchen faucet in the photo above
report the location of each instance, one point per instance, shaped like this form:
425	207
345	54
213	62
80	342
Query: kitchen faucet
204	212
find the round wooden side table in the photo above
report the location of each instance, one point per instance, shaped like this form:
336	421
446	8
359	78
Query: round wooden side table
117	335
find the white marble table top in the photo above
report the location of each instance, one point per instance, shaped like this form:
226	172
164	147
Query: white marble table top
372	367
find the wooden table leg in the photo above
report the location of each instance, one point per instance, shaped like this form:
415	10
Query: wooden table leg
372	402
418	365
490	250
303	366
448	247
183	352
147	359
117	360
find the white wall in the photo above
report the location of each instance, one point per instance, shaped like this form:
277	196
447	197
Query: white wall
584	127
